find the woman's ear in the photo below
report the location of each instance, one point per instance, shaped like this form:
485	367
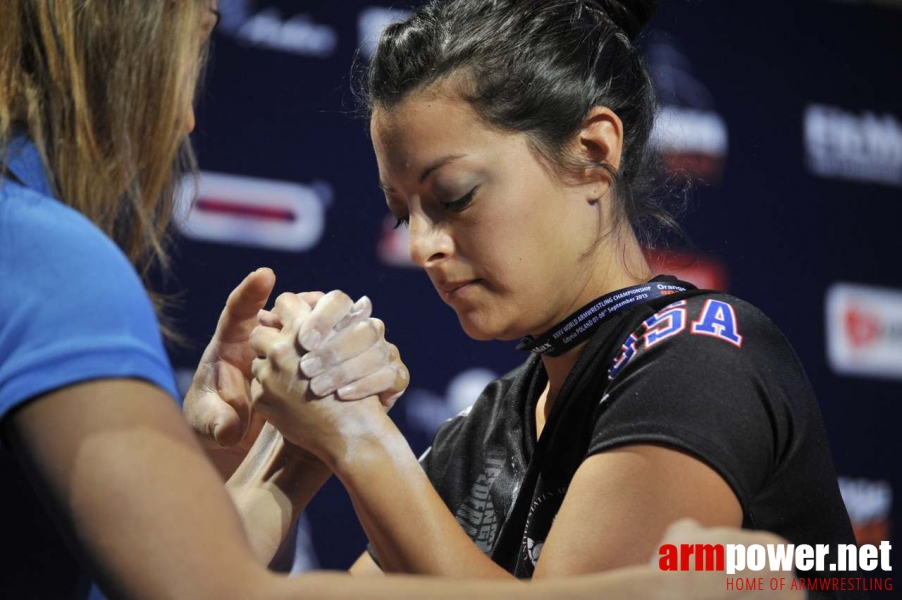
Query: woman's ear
601	142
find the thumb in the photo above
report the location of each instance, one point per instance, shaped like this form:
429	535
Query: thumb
240	314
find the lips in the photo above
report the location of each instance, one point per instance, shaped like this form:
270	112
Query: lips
450	288
454	290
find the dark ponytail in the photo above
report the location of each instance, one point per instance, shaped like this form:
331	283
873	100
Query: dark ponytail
537	67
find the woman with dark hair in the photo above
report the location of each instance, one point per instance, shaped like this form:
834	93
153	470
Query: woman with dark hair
95	107
512	138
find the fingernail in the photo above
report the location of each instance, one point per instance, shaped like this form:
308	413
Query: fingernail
311	340
347	391
361	304
311	366
322	386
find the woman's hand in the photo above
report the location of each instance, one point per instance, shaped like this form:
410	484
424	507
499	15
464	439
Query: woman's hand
218	404
325	374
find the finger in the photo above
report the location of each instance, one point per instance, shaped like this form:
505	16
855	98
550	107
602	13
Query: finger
402	381
343	346
361	310
215	420
328	312
352	370
372	385
262	339
388	400
227	426
268	319
239	316
261	369
311	298
289	308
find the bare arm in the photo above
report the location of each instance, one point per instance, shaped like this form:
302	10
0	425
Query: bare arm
643	489
130	483
135	490
271	488
405	519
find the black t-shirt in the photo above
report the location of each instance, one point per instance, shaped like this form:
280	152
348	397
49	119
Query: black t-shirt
702	372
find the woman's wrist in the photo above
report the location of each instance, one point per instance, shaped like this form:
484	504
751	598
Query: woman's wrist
366	440
273	461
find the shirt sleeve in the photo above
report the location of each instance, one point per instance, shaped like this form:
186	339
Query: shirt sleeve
72	307
707	377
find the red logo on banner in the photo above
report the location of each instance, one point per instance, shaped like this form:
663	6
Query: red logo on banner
246	211
862	328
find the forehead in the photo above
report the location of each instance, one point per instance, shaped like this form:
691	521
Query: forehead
425	125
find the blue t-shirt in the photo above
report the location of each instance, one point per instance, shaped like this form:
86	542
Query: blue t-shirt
72	309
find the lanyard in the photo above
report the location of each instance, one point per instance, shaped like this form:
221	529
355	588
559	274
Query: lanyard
580	326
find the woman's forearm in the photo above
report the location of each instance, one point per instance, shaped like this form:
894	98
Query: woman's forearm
405	519
271	488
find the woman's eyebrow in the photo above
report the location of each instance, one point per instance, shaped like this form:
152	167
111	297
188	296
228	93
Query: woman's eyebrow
438	165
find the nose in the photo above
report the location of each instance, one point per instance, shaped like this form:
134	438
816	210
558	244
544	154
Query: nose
190	121
430	243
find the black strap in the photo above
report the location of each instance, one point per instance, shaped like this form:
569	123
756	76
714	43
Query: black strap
598	365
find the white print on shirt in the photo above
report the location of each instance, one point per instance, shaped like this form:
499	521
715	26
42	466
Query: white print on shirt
541	517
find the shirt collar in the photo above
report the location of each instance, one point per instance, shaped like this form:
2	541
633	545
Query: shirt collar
24	161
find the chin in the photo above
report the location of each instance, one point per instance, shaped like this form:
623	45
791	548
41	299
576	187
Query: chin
485	331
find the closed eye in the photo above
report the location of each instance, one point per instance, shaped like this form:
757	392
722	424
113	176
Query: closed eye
462	204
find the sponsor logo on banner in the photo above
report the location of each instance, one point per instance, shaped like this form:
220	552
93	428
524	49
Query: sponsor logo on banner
426	410
869	504
267	28
702	271
243	211
864	330
372	22
865	147
689	132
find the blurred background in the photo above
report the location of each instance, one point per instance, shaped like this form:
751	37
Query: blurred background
785	116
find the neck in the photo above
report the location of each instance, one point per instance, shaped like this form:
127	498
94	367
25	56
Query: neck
624	269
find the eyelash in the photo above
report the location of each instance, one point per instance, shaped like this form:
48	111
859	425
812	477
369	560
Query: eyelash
456	206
